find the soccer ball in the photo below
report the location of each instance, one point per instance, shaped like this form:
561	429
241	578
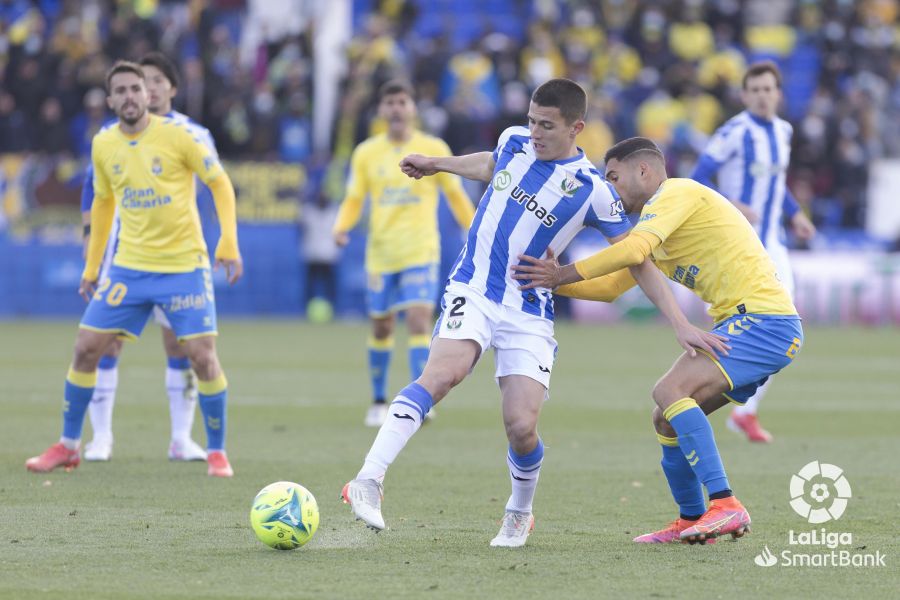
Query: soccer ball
284	515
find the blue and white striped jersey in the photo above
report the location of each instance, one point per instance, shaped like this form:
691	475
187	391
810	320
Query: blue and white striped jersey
530	206
750	156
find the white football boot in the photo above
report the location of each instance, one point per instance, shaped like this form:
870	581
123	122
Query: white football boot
514	530
364	497
186	450
99	449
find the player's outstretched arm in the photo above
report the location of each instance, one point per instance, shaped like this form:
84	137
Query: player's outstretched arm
478	166
227	253
627	251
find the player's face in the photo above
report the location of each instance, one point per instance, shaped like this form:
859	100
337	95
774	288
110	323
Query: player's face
762	95
629	180
159	89
127	97
551	137
398	110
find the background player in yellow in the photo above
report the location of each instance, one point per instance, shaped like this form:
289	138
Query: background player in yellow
144	169
701	240
403	245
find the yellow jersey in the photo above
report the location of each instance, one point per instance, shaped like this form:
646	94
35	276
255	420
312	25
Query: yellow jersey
403	225
151	178
709	247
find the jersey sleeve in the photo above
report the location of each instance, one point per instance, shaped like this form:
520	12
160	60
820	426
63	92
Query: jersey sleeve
100	182
198	157
725	143
351	208
511	140
663	216
605	211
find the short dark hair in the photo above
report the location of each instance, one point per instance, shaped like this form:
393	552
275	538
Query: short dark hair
122	66
760	68
396	86
164	64
564	94
631	147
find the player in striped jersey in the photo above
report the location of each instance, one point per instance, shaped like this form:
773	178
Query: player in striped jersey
749	157
542	192
162	87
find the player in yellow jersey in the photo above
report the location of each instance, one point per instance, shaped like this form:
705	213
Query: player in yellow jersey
144	170
403	246
699	239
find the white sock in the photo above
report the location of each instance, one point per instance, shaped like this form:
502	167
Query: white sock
182	390
101	407
402	422
524	484
751	406
70	443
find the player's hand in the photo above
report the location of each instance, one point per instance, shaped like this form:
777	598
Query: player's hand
539	272
341	238
691	338
86	289
234	268
417	166
748	212
803	227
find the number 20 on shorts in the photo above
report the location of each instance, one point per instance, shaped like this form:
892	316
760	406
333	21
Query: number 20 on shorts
116	292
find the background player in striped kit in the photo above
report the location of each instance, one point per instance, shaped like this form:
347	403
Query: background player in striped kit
543	191
749	157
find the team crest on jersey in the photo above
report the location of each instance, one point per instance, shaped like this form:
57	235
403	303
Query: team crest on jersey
117	169
156	166
502	180
454	324
569	185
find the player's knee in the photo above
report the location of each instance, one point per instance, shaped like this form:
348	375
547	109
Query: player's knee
439	381
87	353
382	328
660	424
522	434
664	393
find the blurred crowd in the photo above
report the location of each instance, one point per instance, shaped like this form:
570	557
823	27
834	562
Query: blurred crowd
669	70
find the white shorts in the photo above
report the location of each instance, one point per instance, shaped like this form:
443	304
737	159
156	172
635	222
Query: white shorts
779	255
523	344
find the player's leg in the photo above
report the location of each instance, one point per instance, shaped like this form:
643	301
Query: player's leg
676	394
80	382
523	398
380	348
379	294
449	363
119	307
684	484
194	325
181	388
100	410
454	351
212	397
417	290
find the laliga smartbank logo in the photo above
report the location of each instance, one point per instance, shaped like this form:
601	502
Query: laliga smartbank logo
820	493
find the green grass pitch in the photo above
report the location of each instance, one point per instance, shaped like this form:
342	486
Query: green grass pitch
140	527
